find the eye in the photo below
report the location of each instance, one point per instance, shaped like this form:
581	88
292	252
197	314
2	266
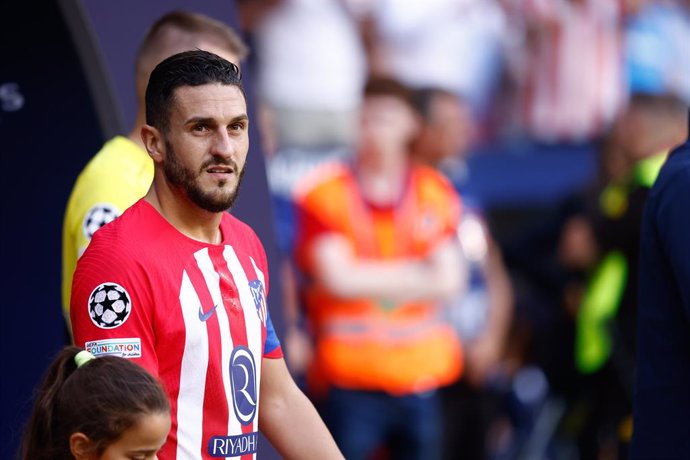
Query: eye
238	126
200	128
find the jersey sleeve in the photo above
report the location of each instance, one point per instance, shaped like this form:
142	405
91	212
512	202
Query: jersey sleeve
103	191
111	305
272	348
80	225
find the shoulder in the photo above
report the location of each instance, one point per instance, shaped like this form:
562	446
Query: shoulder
322	180
432	182
674	176
436	196
432	176
116	176
236	226
244	240
665	212
240	233
114	257
118	251
126	234
118	158
326	192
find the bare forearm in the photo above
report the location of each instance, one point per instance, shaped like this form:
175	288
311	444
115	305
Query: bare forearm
289	420
500	297
296	430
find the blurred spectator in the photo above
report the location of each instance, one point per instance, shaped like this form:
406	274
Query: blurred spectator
311	71
580	324
450	44
122	171
447	133
605	242
657	56
567	58
378	249
482	313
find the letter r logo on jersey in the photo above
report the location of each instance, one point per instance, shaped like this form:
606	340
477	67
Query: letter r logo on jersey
243	381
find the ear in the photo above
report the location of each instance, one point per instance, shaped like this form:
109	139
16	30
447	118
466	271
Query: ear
81	446
153	142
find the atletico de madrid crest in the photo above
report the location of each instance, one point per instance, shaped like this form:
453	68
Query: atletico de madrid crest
257	288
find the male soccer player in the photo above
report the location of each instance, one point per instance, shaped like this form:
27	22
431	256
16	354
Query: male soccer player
180	286
122	172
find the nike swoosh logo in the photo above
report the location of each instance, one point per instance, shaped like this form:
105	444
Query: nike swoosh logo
204	316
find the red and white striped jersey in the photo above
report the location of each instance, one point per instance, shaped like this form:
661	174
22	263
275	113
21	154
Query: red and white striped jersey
571	68
190	312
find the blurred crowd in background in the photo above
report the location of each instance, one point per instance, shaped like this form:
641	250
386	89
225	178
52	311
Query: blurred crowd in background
547	316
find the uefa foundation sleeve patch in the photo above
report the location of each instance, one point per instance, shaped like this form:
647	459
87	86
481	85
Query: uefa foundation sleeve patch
124	348
109	305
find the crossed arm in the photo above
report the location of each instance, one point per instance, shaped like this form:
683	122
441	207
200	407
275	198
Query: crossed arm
436	276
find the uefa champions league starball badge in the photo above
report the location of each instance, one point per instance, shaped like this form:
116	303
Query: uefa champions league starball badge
109	305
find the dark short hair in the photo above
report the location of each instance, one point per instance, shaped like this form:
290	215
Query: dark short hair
423	98
659	103
194	24
385	86
189	68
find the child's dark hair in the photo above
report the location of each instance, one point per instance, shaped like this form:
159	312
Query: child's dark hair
102	398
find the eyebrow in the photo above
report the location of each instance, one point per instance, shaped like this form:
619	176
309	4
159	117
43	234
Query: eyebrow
210	120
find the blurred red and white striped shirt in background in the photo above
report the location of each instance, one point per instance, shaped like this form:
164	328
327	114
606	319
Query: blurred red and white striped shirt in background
569	66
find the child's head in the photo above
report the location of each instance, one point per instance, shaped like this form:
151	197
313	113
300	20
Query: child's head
103	408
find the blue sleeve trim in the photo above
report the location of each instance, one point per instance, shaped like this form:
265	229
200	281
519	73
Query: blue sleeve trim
272	343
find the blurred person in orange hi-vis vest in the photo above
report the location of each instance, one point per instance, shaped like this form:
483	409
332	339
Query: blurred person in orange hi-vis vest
378	253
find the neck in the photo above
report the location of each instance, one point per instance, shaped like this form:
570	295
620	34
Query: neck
382	177
420	154
183	214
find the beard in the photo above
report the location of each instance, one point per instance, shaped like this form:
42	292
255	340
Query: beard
214	200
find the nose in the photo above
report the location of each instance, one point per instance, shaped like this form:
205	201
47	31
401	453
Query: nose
223	145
